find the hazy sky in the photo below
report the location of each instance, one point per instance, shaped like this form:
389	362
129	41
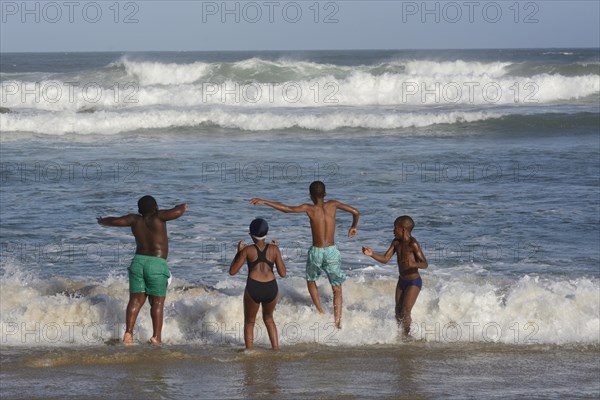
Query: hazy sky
295	25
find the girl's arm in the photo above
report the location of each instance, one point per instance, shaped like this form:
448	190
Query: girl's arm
239	259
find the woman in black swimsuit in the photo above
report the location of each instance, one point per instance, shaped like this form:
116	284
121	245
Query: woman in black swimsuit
261	287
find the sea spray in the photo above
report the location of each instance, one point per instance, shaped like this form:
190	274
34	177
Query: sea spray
65	312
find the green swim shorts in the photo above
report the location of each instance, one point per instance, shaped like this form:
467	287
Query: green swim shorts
325	259
148	275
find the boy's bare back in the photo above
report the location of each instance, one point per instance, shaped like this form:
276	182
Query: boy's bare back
322	221
409	254
321	215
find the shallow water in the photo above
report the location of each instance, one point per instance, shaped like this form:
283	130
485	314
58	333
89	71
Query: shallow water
504	195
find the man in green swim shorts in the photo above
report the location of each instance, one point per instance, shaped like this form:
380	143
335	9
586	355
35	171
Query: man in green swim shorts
148	272
323	256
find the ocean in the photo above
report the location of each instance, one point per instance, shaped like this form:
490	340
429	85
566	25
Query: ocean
494	153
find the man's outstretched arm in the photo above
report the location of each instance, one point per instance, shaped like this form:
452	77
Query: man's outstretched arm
173	213
125	220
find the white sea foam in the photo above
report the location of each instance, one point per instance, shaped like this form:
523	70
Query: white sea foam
62	312
358	89
451	69
156	73
114	122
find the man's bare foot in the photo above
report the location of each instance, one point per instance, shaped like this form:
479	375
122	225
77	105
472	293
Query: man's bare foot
128	339
154	341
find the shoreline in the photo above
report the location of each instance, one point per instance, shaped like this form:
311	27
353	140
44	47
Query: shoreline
415	370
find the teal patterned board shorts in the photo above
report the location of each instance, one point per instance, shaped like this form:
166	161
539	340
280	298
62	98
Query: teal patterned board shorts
325	259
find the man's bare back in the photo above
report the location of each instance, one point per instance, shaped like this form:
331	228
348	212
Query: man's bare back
150	230
150	236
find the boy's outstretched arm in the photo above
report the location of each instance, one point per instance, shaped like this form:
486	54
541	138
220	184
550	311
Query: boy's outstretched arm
382	258
125	220
173	213
355	217
280	207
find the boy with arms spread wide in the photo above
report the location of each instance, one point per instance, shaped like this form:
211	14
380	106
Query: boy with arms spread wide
410	259
323	256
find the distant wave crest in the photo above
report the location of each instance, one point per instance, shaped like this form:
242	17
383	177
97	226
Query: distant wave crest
256	94
103	122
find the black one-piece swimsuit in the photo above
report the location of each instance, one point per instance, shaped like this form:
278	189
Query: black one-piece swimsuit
261	292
